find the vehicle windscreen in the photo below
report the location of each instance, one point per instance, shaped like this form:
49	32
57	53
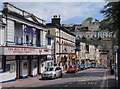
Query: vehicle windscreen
50	69
71	66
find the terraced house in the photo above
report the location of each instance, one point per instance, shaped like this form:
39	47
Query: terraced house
64	43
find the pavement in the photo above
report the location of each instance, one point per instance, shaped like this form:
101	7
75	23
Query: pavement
111	81
23	82
36	80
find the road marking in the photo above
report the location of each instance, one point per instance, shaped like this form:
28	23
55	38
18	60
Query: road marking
66	85
103	81
91	83
88	82
95	82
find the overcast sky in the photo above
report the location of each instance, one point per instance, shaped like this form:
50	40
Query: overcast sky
70	12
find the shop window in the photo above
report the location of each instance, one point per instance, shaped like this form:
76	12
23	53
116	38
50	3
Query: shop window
10	67
25	65
34	64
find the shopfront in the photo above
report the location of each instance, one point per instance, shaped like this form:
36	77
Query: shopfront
21	62
9	70
34	66
72	59
45	60
23	68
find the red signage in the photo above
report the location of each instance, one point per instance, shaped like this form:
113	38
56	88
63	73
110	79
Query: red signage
45	50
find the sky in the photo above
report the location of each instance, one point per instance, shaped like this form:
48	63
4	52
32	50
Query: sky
70	12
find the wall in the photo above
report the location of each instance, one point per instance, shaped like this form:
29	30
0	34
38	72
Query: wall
2	36
104	59
10	30
11	74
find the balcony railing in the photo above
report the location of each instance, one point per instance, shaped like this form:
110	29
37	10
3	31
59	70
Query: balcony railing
18	40
29	43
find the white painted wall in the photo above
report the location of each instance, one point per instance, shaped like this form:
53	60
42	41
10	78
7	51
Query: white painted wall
6	76
10	30
34	38
44	38
2	36
9	75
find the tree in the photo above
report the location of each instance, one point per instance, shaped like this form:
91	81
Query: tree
111	12
105	24
89	19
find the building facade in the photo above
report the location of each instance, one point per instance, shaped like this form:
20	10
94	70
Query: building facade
89	54
64	42
23	46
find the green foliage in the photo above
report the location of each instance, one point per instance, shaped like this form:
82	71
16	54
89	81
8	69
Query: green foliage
112	14
105	24
89	19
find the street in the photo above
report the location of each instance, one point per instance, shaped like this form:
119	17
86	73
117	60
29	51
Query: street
89	78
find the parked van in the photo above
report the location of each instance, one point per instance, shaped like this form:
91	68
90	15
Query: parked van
46	64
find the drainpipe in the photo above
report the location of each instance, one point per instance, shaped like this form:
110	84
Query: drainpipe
118	68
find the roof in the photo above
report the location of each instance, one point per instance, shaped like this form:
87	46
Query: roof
22	14
48	25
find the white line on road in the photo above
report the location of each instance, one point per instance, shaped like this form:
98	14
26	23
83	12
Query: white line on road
91	83
66	85
103	81
88	82
95	82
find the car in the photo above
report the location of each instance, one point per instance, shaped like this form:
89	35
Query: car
72	69
52	72
89	65
86	67
82	66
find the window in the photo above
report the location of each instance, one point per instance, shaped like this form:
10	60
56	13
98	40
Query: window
25	65
58	68
87	47
27	38
49	41
34	64
0	62
48	31
50	69
8	67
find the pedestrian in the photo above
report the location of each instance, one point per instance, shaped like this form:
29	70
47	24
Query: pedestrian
66	66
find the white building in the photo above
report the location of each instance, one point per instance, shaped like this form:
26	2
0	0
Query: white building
64	41
23	44
89	54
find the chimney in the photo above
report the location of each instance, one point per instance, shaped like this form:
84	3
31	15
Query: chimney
56	20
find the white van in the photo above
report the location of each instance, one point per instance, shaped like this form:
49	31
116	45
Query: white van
46	64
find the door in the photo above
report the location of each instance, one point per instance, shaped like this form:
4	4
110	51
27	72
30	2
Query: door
58	71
